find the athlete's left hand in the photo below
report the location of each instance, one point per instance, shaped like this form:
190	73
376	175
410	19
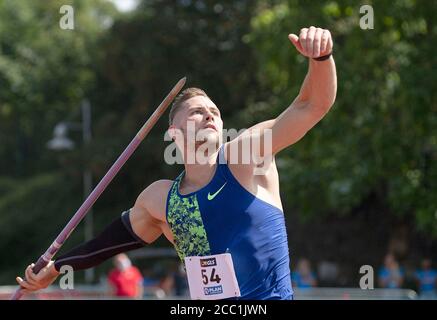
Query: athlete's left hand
312	42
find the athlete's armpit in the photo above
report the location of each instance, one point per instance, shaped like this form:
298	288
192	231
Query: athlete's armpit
147	216
144	225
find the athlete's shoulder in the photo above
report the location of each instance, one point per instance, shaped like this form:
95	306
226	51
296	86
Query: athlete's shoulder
153	198
161	184
156	189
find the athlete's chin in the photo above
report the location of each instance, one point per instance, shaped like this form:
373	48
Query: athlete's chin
208	146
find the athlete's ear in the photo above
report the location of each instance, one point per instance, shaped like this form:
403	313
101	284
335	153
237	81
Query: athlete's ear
172	132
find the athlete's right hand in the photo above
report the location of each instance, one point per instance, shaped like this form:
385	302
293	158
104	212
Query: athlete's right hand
43	279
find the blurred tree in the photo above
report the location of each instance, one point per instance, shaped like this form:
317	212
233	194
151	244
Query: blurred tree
44	73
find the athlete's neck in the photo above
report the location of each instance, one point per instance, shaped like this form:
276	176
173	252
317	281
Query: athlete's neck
198	174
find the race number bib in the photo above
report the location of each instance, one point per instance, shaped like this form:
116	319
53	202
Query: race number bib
212	277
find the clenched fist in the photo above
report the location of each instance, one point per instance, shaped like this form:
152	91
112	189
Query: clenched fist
313	42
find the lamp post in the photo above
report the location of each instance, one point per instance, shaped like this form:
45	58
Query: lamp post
60	141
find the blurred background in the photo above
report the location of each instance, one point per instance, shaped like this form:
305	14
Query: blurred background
359	189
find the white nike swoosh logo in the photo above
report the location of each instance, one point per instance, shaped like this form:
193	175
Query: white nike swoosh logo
212	196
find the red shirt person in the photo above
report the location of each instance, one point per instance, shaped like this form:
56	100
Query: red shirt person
126	280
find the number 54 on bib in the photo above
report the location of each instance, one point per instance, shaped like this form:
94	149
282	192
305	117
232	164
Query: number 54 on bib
212	277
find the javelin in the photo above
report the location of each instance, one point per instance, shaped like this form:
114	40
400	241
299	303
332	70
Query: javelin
95	194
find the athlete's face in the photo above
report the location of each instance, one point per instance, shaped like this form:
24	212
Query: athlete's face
200	119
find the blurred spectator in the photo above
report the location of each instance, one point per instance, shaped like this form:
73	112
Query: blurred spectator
125	279
151	285
167	284
304	277
328	273
149	280
427	280
391	275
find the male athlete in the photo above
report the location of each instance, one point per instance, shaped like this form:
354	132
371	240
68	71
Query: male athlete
219	208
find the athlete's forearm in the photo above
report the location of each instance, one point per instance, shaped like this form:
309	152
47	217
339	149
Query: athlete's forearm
116	238
319	88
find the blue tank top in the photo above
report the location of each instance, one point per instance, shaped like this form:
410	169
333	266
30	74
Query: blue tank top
224	217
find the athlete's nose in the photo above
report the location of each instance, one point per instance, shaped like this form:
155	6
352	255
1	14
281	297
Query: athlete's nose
209	116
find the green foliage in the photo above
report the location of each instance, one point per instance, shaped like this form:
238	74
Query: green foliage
32	212
44	73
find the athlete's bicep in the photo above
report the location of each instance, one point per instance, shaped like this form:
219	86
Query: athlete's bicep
271	136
